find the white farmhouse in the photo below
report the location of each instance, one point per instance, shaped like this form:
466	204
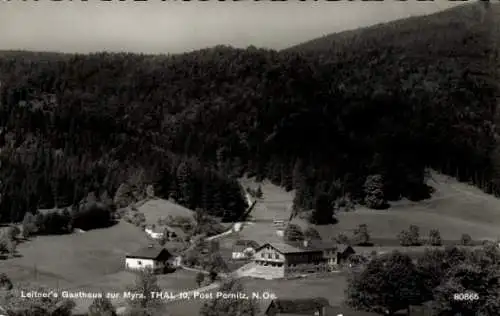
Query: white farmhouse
153	233
158	232
156	258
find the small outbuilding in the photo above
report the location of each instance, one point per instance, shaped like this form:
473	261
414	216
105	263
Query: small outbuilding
244	249
155	258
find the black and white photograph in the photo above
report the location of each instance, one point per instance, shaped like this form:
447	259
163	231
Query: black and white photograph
249	158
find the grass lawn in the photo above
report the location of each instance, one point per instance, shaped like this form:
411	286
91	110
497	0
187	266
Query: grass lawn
454	209
275	204
69	260
87	261
331	287
157	208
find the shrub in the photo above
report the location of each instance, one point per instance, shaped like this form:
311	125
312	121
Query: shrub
293	233
374	192
361	235
415	235
312	234
342	239
405	238
435	237
465	240
259	193
200	277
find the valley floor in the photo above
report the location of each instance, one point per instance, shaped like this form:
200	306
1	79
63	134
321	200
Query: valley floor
93	261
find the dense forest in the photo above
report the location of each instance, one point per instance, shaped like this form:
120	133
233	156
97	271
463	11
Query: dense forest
357	115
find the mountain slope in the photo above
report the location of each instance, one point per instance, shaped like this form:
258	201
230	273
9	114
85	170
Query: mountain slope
362	120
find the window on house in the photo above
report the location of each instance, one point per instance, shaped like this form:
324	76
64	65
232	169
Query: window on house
276	256
262	255
139	262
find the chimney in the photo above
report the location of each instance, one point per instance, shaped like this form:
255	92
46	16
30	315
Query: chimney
305	243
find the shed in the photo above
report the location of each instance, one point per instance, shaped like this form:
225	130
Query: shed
152	257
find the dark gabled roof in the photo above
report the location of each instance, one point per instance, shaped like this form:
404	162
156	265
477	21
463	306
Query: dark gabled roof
149	253
312	246
301	306
344	247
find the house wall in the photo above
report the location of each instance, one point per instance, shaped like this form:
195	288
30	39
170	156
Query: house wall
269	261
306	262
175	261
305	257
238	255
270	255
138	264
331	257
153	234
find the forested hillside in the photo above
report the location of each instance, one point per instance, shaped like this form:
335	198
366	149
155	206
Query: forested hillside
359	114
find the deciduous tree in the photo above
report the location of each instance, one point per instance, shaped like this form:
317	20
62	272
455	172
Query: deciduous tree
230	306
102	307
293	232
362	236
388	284
145	283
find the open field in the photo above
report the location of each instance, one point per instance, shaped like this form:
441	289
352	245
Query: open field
92	261
455	208
275	204
157	208
69	260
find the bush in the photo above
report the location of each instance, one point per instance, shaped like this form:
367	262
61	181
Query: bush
342	239
53	223
102	307
293	233
361	235
435	238
5	282
213	275
312	234
200	277
92	215
258	193
465	240
374	192
405	238
415	235
136	218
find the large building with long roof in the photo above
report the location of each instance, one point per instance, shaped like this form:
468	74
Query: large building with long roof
280	260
